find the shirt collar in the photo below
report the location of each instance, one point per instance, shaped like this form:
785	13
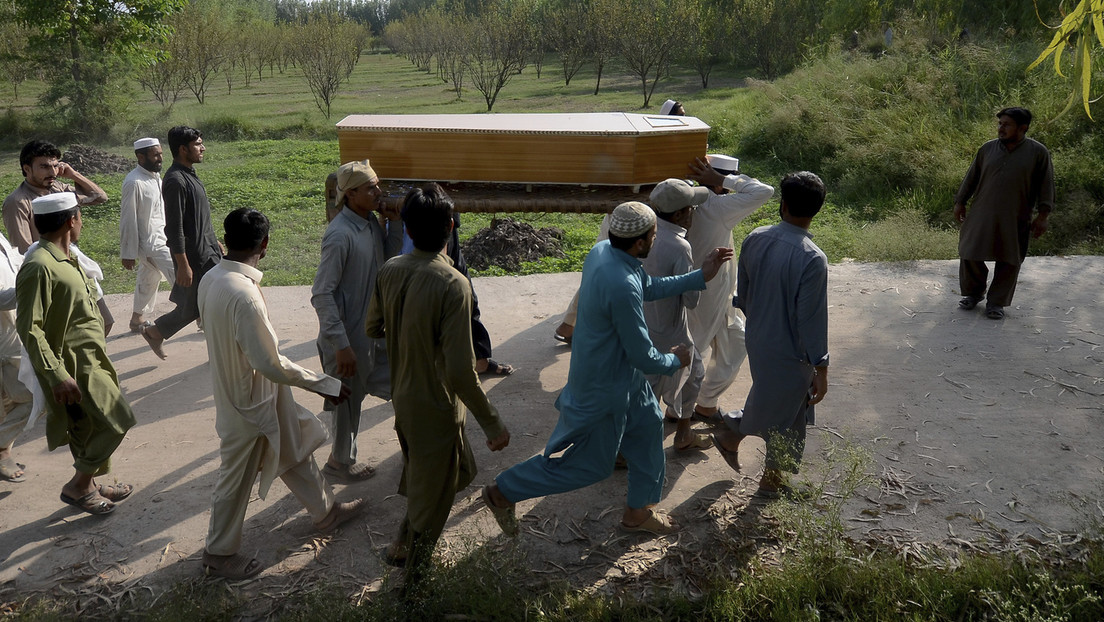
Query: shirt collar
142	171
354	218
238	267
665	225
792	228
430	255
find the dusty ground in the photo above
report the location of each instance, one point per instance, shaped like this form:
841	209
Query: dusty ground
980	431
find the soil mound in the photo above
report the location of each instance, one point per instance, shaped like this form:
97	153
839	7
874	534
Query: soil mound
507	243
86	159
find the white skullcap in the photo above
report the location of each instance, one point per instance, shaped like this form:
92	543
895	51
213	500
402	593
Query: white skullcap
667	106
722	162
56	202
631	219
142	143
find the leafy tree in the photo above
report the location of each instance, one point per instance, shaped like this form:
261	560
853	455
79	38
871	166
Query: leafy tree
201	32
327	48
1077	31
709	30
646	35
600	28
500	45
86	48
15	66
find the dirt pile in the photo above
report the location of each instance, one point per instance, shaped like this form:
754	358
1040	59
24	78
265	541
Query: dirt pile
90	160
507	243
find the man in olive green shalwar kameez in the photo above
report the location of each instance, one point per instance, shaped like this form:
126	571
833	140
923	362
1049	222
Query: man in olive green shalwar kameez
422	305
63	332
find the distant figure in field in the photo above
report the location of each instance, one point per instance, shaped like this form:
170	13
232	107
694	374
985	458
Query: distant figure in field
260	426
1010	179
142	241
782	288
190	235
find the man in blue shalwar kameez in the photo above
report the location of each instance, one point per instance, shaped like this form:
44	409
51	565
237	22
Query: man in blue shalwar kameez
608	405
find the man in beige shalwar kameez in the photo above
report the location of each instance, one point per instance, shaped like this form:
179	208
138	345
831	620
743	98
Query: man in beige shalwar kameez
422	305
260	426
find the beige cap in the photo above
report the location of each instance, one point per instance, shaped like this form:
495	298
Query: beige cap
671	195
631	219
353	175
56	202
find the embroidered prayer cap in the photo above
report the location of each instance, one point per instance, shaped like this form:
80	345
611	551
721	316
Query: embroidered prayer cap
143	143
631	219
671	195
56	202
668	106
353	175
725	165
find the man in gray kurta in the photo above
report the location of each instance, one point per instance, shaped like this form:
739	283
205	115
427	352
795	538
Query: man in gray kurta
354	248
422	305
674	201
782	288
1010	179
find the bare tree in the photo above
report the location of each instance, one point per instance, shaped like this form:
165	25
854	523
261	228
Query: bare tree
202	31
499	47
567	30
600	29
327	48
645	38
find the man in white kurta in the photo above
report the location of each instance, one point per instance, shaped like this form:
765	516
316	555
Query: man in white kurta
260	426
15	395
716	325
142	242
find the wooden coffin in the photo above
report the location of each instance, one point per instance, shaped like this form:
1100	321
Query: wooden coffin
606	148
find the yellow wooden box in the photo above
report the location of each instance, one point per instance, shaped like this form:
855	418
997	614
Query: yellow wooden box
605	148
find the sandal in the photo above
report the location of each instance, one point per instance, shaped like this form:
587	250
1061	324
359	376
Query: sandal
712	419
994	312
339	514
93	503
505	517
731	456
9	469
349	474
657	524
697	441
498	369
156	347
140	326
968	303
234	567
115	492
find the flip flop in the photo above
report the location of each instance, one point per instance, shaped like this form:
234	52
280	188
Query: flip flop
157	349
968	303
731	457
505	517
349	475
496	368
339	514
697	441
8	468
561	338
115	492
657	524
236	567
93	503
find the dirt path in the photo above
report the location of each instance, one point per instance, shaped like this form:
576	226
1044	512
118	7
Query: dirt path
978	430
